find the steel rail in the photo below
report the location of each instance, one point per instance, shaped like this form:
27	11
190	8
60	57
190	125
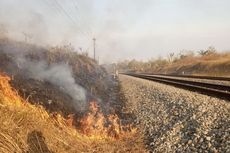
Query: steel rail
196	83
220	91
193	76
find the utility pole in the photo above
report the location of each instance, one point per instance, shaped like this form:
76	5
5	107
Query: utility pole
80	49
94	48
27	36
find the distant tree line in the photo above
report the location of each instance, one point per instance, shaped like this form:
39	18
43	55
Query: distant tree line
154	65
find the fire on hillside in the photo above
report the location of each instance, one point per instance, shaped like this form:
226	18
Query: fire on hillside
96	124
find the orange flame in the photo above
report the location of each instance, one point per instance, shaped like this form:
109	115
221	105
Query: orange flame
95	123
9	93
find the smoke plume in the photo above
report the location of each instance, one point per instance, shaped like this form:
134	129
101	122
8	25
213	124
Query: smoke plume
59	74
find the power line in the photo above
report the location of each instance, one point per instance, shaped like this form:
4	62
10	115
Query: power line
76	6
57	9
88	28
62	11
70	17
94	48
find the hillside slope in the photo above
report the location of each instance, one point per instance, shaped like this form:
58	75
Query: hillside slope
29	128
46	76
216	64
57	100
213	64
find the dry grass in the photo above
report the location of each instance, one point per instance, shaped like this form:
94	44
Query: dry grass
29	128
217	64
214	64
86	72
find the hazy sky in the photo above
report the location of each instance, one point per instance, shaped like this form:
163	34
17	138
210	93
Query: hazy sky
124	29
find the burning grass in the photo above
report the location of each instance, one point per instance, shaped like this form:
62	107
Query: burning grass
29	128
34	67
96	124
7	90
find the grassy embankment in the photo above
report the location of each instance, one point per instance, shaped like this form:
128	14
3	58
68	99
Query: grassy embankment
27	127
213	64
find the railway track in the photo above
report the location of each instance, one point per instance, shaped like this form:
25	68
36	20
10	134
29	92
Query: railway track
193	77
211	89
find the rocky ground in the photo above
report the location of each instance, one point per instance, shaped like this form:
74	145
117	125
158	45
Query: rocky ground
176	120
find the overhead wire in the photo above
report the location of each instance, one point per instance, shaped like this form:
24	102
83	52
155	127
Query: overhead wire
56	9
62	11
76	6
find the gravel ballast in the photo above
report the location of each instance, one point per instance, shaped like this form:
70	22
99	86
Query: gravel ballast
177	120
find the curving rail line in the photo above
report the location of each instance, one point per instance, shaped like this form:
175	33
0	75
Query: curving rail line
220	91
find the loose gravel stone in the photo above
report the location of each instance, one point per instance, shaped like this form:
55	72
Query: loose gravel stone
177	120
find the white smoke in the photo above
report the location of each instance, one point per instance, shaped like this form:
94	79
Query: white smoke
58	74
